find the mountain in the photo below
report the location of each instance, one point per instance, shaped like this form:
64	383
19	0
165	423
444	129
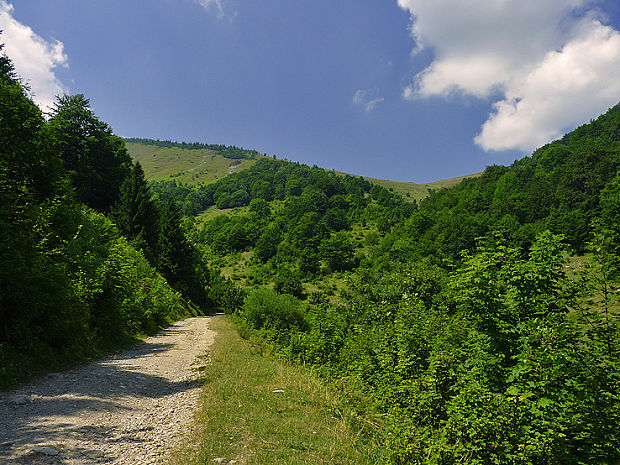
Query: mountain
195	163
455	323
189	163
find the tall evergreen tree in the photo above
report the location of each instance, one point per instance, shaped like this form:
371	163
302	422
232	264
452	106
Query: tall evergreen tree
179	260
174	249
136	214
96	159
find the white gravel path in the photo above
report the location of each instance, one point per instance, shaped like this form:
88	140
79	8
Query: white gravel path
130	408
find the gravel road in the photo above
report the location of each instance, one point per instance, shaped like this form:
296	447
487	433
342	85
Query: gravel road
130	408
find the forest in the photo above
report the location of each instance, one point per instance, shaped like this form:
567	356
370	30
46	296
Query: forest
91	261
477	326
480	326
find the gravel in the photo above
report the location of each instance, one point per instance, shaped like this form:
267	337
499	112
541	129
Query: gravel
130	408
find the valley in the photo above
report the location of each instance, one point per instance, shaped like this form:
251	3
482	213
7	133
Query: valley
443	323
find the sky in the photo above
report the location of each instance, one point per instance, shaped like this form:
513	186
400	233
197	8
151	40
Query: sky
409	90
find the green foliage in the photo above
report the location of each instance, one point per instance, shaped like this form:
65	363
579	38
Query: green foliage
337	252
267	244
608	227
274	315
310	220
179	260
86	290
288	282
239	198
557	188
71	286
136	214
309	263
490	366
126	296
96	160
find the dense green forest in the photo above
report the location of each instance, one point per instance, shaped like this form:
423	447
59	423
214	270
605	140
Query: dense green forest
477	326
90	259
480	326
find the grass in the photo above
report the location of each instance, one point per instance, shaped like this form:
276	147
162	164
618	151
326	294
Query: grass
194	166
416	191
213	212
258	410
191	166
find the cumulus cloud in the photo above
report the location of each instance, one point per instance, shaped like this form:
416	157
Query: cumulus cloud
565	89
34	58
367	98
549	65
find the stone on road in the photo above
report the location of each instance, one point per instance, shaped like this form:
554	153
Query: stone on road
128	408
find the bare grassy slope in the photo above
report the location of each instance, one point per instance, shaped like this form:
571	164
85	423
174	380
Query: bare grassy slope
195	166
185	165
417	191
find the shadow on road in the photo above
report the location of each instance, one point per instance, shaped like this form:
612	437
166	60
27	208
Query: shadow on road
47	409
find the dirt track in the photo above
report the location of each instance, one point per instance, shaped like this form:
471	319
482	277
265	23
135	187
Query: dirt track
130	408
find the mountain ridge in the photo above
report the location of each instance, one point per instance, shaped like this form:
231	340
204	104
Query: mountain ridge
196	163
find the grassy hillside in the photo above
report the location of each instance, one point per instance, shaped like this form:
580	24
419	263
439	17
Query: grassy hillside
192	166
206	165
417	191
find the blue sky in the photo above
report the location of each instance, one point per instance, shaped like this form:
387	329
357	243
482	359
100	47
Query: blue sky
411	90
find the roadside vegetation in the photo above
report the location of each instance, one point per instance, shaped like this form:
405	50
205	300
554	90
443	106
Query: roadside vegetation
257	409
90	260
453	329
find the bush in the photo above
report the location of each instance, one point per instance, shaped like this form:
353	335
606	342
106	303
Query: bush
288	282
276	316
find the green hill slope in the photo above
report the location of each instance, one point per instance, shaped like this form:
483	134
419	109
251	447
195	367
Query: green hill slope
455	320
188	163
202	163
418	191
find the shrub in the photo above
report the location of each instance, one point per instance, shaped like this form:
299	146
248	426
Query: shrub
276	316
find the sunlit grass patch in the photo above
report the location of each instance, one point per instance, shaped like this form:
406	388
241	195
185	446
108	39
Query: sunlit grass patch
258	410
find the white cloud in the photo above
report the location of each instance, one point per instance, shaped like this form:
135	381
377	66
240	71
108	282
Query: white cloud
551	67
367	98
34	58
213	4
565	89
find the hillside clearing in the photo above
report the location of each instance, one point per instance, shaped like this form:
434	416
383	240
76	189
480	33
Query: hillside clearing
192	166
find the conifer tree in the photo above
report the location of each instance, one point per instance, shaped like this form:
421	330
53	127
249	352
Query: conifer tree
136	215
175	252
96	159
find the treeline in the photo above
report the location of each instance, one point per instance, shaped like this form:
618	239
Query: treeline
557	188
461	328
89	260
227	151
